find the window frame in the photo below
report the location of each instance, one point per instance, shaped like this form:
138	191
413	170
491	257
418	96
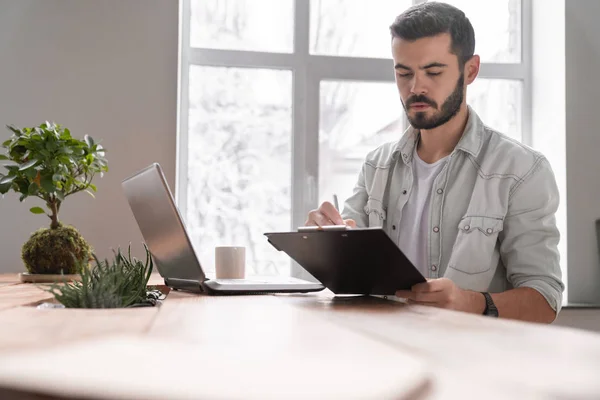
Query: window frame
308	70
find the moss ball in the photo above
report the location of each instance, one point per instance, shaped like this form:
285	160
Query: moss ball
51	251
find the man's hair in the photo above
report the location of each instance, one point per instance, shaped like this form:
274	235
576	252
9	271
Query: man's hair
431	19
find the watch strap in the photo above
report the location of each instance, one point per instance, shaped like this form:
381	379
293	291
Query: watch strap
490	307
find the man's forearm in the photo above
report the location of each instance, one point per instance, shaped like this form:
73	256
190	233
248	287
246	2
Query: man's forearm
523	303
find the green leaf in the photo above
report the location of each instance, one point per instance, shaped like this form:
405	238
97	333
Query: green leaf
17	152
90	193
3	157
5	187
64	160
14	129
51	146
45	153
7	143
93	187
23	186
7	179
31	173
33	188
60	195
37	210
57	177
47	184
89	141
23	197
27	165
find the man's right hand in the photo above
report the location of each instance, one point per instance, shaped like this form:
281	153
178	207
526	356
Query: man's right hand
326	214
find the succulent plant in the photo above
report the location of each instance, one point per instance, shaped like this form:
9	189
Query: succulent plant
121	282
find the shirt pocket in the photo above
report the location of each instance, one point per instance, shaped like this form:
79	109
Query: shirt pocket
375	212
475	249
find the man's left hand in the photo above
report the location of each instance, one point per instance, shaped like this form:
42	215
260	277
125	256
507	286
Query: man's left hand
443	293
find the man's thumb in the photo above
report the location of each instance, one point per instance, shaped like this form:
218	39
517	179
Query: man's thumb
350	222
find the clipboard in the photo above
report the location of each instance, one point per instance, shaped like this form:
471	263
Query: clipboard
361	261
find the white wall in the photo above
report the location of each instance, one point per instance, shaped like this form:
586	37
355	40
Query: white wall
582	54
107	68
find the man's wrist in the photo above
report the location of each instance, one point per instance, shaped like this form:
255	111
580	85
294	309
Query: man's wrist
476	302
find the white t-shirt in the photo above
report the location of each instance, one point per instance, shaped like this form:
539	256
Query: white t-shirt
414	224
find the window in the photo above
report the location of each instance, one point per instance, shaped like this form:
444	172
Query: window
276	110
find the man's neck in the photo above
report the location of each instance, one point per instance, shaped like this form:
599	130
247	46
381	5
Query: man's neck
439	142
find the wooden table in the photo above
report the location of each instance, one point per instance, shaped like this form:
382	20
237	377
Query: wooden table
283	346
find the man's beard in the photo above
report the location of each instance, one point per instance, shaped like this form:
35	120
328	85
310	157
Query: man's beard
449	109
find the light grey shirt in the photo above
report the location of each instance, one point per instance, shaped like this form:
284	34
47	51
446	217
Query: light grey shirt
491	218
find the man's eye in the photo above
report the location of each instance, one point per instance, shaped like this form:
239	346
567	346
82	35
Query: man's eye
404	75
434	73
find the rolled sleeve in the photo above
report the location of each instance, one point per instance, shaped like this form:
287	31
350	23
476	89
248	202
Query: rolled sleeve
548	288
529	240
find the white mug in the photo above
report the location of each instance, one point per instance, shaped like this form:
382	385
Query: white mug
230	262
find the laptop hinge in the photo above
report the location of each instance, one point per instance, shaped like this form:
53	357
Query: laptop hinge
188	285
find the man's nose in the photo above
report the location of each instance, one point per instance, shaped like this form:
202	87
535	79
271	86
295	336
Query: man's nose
417	86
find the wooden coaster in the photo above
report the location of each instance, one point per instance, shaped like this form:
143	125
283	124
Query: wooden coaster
26	277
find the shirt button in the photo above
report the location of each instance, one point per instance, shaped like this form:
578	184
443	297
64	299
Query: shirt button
489	230
394	227
433	267
440	191
404	191
436	229
467	227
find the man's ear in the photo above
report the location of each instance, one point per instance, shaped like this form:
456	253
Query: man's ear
472	69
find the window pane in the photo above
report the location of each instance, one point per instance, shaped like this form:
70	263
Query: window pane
498	102
255	25
239	163
497	26
353	28
351	124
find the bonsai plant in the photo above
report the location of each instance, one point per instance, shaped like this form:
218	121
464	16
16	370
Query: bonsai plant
48	163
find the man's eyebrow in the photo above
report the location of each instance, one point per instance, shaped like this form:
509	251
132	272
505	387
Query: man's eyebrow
434	65
430	65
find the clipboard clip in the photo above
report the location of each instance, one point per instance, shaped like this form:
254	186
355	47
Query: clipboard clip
323	228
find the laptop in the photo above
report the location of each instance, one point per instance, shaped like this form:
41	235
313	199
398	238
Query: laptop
164	232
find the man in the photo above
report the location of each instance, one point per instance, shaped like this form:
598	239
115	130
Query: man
471	208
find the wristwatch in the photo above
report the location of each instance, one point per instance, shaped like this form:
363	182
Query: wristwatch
490	307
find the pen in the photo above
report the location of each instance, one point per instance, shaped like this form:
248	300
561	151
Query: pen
335	203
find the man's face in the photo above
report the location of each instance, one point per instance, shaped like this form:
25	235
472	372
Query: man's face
429	80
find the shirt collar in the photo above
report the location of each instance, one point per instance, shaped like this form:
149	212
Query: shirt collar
470	141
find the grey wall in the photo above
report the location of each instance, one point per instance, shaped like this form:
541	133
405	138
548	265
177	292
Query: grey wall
582	53
107	68
580	318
